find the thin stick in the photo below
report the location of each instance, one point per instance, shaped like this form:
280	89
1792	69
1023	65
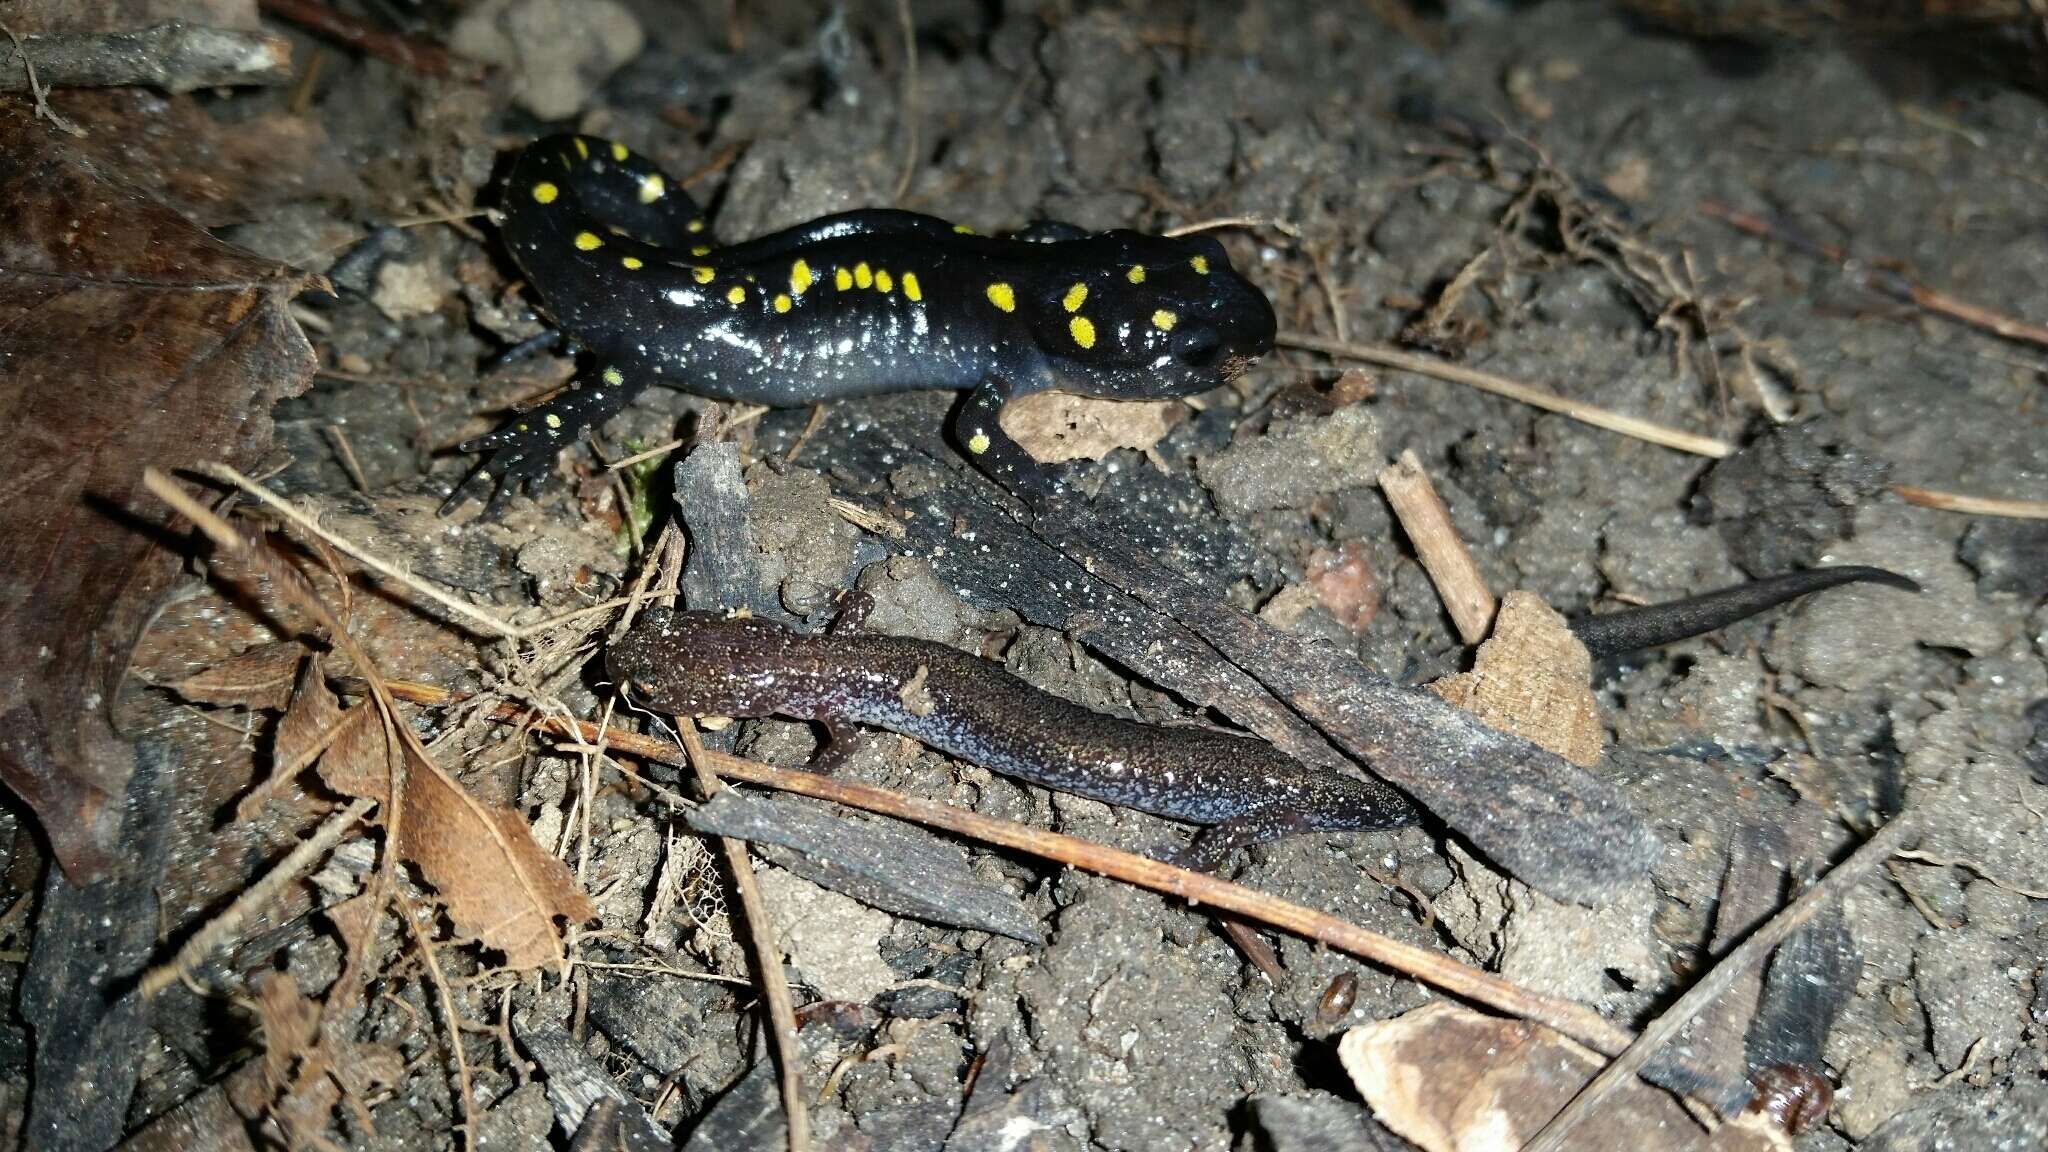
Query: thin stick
255	896
1514	390
1878	277
1974	505
347	454
909	101
1285	227
1626	425
447	998
1439	547
767	954
1747	955
368	560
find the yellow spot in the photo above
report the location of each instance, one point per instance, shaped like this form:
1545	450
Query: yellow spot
632	263
652	187
1164	320
582	149
883	281
863	275
799	277
553	420
1201	264
1083	331
701	250
963	229
1000	295
614	377
545	193
588	241
1136	275
694	226
701	274
1075	297
737	294
978	443
618	151
911	290
842	279
781	302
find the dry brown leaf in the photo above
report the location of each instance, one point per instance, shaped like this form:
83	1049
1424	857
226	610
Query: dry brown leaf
1454	1080
498	885
261	678
1533	678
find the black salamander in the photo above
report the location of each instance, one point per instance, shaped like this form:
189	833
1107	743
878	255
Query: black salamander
853	304
702	664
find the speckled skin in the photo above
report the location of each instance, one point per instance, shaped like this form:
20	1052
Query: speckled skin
853	304
697	663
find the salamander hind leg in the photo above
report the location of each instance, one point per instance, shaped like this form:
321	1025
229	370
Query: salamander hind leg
523	449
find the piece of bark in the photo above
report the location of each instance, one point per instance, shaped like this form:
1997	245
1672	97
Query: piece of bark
887	864
723	567
78	987
1547	822
1751	889
577	1085
1532	678
1055	427
174	56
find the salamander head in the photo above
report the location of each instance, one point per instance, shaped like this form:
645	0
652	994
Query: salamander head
705	664
1150	317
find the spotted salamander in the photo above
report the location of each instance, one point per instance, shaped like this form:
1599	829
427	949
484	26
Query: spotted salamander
701	664
852	304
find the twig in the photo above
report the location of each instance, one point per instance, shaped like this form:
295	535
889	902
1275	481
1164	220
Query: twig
37	88
646	454
1439	547
908	103
1973	505
767	955
1286	228
804	437
447	998
338	436
1879	278
211	934
318	18
361	556
1747	955
1626	425
1514	390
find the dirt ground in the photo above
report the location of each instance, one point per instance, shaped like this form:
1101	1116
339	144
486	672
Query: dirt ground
1525	189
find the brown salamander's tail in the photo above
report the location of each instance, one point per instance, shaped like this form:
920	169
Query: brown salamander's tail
1633	629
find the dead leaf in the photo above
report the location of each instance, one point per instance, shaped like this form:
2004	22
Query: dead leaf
1454	1080
130	336
1055	427
498	885
1533	678
259	679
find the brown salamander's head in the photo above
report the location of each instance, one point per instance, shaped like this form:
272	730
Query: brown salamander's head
706	664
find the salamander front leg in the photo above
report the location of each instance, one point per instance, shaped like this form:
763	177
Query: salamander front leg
1003	460
522	450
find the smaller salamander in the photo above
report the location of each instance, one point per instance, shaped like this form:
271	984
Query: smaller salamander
1244	790
1633	629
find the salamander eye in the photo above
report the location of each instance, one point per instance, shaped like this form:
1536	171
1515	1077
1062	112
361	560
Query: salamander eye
1197	346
